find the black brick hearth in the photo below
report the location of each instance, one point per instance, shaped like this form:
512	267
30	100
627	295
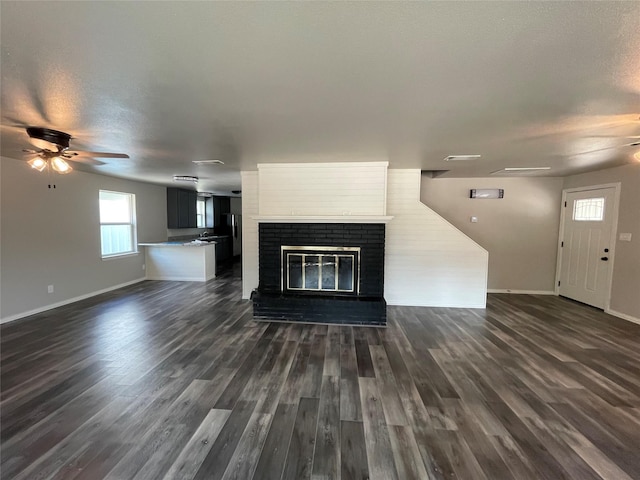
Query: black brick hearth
367	308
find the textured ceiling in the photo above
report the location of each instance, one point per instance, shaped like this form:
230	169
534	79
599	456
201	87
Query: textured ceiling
521	83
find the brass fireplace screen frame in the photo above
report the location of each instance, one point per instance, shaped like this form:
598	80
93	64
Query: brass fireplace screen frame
315	251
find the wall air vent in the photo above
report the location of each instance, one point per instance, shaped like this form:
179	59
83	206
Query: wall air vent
461	158
486	193
185	178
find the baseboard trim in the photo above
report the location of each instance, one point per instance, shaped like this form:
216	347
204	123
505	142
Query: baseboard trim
521	292
623	316
393	303
271	320
180	279
51	306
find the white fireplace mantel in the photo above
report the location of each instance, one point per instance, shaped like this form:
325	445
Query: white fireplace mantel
322	218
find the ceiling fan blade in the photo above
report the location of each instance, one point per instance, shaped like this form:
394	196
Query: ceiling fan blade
85	160
75	153
27	150
588	152
630	137
15	122
11	128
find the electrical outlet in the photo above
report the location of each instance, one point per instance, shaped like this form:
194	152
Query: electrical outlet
144	266
50	288
625	237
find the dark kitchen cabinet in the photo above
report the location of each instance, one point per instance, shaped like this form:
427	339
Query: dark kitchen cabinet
181	208
224	250
221	207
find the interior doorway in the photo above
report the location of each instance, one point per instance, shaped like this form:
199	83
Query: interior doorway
587	241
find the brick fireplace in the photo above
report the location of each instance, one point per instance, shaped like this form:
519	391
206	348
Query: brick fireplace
321	273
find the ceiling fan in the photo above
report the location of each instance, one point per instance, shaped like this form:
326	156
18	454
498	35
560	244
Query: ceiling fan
635	142
53	149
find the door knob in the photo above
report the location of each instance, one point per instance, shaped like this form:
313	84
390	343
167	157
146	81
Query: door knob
604	258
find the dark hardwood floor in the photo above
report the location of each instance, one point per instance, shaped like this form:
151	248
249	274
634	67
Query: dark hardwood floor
174	380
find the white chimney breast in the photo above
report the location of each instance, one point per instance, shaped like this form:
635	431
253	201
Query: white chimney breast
358	189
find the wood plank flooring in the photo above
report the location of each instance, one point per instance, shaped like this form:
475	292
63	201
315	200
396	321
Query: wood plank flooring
174	380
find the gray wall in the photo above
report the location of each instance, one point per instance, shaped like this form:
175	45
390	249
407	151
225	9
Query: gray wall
52	236
236	205
520	231
625	289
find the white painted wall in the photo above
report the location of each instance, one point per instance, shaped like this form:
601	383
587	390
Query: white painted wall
52	237
520	231
322	188
428	262
625	288
249	233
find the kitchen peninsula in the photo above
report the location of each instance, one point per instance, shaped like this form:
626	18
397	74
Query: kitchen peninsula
192	261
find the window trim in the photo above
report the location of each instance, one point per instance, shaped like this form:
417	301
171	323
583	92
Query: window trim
133	226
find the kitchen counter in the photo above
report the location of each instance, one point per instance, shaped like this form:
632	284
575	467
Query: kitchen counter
181	261
191	243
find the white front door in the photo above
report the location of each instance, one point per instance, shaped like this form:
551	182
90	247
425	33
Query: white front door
586	246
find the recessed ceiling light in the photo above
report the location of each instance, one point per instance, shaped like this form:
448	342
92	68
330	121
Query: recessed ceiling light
461	158
524	169
185	178
208	162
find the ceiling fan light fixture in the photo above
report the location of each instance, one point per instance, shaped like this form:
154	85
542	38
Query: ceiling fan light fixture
37	163
60	166
49	136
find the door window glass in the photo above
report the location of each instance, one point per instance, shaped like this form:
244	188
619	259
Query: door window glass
588	210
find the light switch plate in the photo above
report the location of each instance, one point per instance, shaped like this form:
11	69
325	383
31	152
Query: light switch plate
474	219
625	237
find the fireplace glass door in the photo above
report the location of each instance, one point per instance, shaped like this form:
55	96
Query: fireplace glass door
320	269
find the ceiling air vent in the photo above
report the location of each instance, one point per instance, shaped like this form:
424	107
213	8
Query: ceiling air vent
208	162
520	170
185	178
434	173
461	158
